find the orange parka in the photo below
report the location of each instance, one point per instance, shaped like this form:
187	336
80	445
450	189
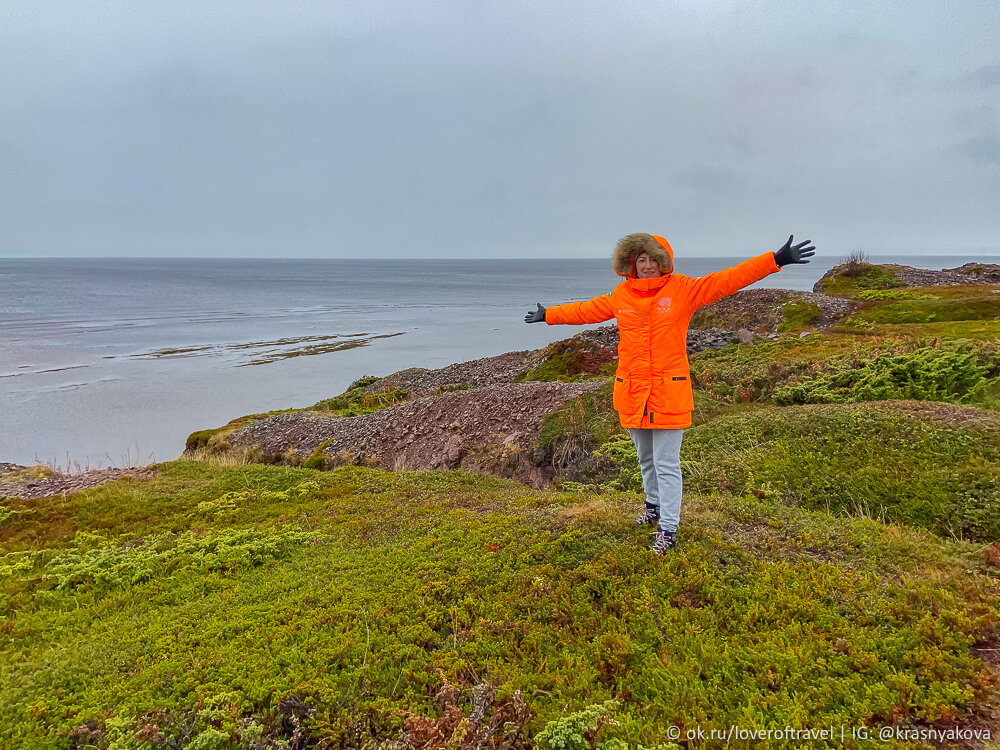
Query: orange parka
652	385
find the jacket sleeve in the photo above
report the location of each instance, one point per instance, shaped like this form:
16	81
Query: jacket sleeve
705	290
596	310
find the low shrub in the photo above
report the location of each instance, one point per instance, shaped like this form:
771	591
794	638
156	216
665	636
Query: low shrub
569	434
957	374
317	459
856	264
621	452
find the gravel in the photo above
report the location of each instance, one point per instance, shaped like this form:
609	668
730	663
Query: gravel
438	432
63	484
475	373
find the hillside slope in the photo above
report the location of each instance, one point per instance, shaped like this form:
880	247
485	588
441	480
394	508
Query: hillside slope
295	582
256	605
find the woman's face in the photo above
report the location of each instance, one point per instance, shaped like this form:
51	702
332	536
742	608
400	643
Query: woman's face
646	268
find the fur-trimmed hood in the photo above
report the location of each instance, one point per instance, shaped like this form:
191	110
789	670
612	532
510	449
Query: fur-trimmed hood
634	245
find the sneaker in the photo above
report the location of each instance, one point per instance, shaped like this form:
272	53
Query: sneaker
648	515
663	541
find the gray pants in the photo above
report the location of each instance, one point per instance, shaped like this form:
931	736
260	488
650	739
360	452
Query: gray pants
660	460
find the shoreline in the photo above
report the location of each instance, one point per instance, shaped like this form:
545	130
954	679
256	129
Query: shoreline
285	391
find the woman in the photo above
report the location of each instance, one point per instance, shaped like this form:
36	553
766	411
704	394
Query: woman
652	391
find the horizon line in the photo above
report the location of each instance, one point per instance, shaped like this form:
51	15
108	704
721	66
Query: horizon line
995	253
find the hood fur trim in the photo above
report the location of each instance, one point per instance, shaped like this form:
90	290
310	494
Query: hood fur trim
633	245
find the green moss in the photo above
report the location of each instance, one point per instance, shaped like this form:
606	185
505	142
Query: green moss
873	459
109	564
259	605
620	450
794	314
876	278
884	294
978	304
799	314
736	374
215	439
355	401
579	730
980	330
571	360
317	459
200	438
864	276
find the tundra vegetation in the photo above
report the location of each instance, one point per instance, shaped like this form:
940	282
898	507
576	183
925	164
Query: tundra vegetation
837	565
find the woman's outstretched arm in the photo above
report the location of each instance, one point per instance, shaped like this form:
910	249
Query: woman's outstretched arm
596	310
705	290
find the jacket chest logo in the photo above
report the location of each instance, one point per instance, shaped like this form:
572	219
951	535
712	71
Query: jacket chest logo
663	305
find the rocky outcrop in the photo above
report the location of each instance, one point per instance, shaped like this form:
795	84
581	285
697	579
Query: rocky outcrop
493	428
911	276
761	310
978	273
967	273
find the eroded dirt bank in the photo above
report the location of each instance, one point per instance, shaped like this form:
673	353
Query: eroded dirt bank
495	426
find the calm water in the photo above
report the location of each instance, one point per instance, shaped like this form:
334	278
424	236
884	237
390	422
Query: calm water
110	361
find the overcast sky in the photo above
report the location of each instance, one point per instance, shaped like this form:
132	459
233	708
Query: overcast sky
510	129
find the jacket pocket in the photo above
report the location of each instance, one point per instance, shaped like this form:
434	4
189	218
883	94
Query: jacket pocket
619	396
675	396
628	397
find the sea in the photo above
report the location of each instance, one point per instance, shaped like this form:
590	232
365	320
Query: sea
113	362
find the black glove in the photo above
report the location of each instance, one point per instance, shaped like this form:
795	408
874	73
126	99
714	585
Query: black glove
535	316
790	253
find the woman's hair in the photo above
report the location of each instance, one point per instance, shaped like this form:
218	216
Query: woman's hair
632	246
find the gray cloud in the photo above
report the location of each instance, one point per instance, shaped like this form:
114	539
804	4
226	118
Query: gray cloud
449	128
984	148
987	76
